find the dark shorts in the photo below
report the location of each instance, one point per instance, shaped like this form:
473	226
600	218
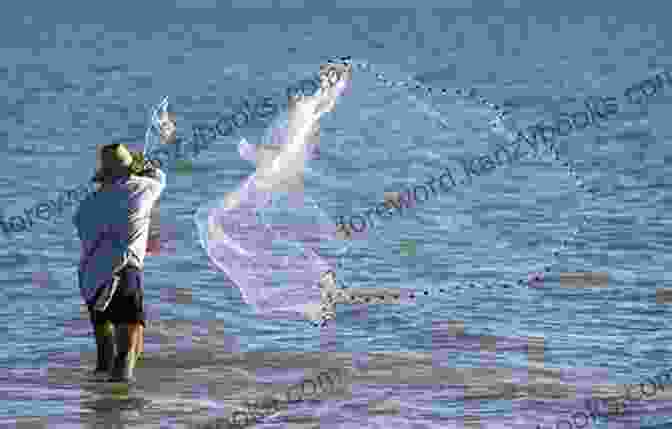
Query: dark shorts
127	305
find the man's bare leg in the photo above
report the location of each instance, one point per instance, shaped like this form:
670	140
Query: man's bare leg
140	342
127	346
135	333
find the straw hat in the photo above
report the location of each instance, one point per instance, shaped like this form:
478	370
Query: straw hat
117	160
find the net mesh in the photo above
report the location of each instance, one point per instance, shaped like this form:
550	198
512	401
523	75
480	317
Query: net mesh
277	246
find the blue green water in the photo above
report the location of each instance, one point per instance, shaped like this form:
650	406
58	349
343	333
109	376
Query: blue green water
69	87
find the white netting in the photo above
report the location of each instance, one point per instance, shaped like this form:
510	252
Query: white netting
276	247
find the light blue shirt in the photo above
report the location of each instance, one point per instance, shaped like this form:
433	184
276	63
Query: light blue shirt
113	226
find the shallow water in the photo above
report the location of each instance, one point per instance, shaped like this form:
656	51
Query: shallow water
69	87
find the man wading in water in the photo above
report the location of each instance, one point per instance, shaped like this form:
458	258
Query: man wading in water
113	226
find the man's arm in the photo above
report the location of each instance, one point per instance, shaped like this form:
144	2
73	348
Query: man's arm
75	221
158	175
77	218
155	173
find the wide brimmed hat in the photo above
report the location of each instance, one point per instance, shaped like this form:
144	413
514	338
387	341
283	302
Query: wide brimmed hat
117	160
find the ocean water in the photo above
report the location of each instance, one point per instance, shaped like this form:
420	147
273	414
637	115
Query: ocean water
484	346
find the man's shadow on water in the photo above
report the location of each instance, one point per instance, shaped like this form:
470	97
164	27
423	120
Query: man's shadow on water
114	412
112	405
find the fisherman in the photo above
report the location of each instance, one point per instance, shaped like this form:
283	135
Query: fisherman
113	226
161	133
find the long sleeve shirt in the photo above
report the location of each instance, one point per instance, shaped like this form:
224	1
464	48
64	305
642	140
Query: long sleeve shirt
113	226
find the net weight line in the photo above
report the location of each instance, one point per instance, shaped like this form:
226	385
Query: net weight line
500	115
349	295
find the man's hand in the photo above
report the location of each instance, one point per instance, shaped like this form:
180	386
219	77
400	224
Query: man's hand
151	165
